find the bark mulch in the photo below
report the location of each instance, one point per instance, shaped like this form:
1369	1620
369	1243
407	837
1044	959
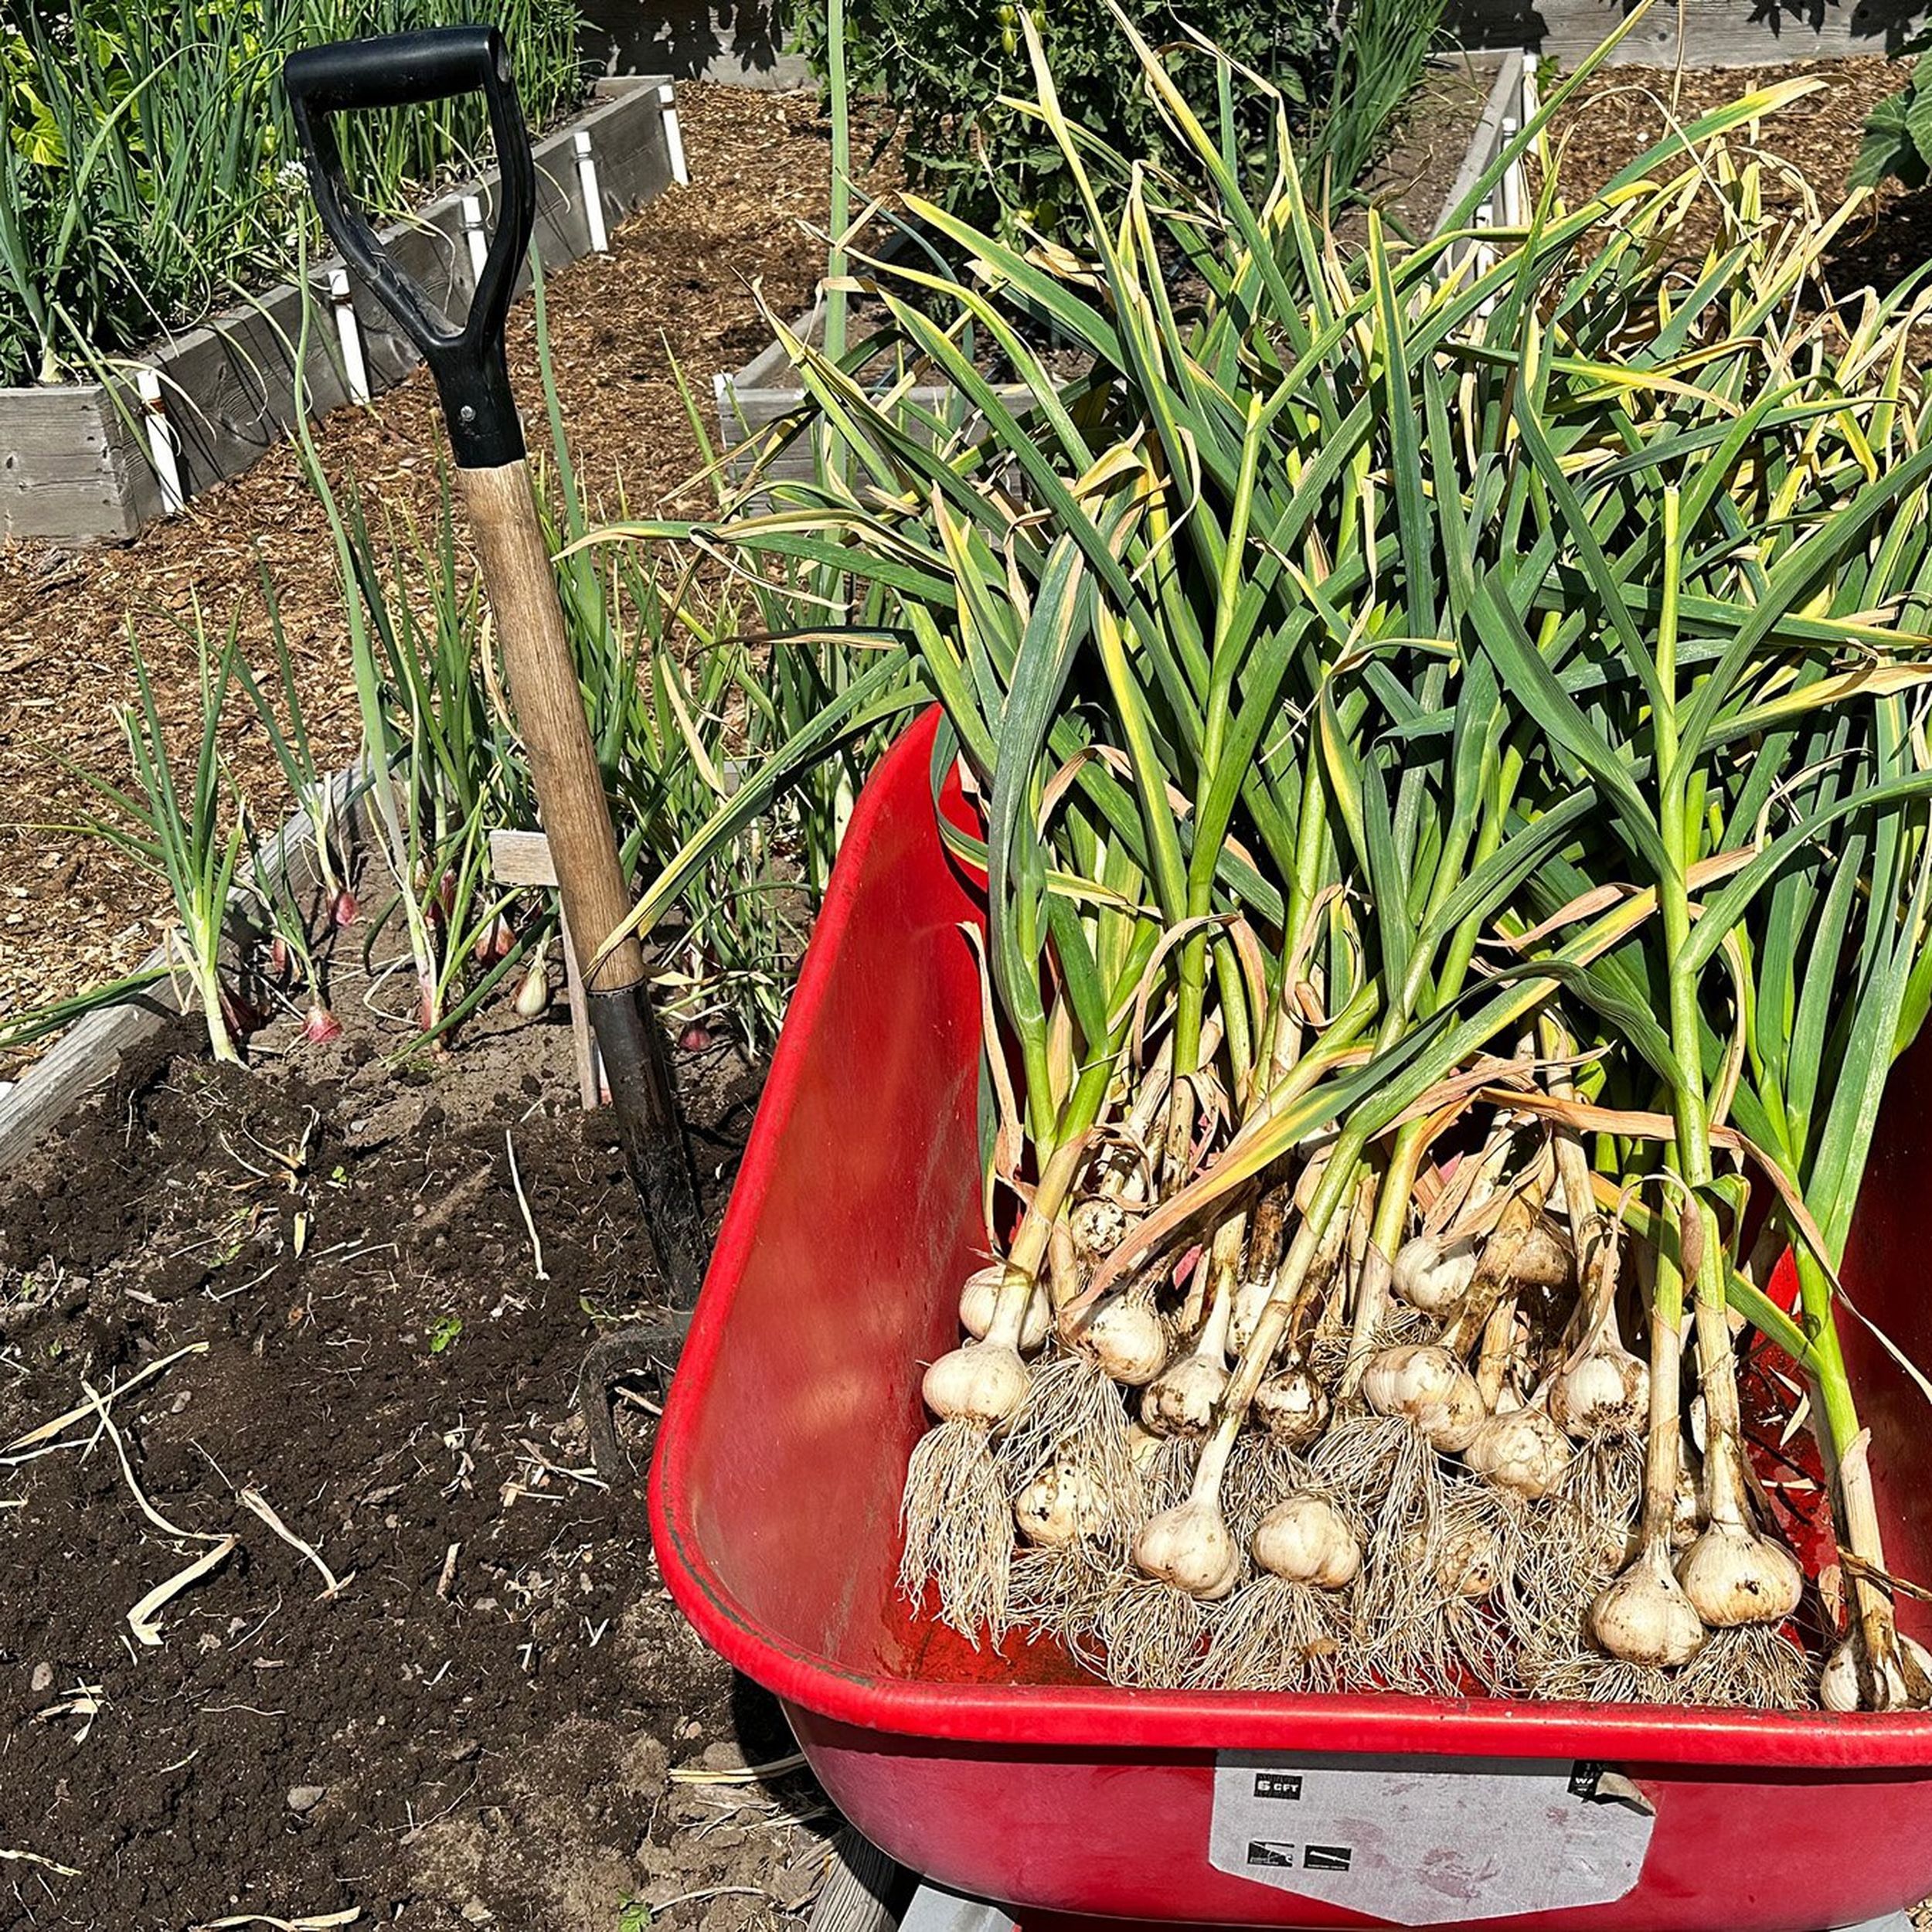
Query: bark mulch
1811	145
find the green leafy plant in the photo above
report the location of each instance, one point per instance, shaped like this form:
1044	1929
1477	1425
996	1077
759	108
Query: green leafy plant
1408	690
955	72
444	1333
187	834
1897	144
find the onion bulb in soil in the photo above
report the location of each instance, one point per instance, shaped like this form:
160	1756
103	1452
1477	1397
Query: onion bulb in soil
494	942
1308	1540
533	989
1433	1275
1125	1336
980	1296
1059	1506
1431	1388
1838	1688
1292	1407
343	910
1644	1617
319	1025
1521	1450
1191	1548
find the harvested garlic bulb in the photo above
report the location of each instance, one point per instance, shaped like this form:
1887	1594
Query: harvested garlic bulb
982	1382
1521	1450
1125	1337
981	1295
1096	1225
1838	1689
1686	1512
1293	1407
1644	1617
1250	1300
1465	1559
1307	1541
1056	1508
1430	1387
1434	1275
1608	1388
1180	1400
1191	1548
1733	1577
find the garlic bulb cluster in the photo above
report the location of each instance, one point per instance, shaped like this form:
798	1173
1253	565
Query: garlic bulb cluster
1644	1617
979	1297
1433	1275
1293	1407
1059	1506
1734	1576
983	1382
1521	1450
1180	1400
1606	1389
1126	1337
1097	1225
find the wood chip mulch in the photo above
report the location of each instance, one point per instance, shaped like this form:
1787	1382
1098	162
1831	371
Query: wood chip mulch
1810	146
677	289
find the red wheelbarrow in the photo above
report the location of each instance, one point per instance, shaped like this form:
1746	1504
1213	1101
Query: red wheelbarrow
1012	1776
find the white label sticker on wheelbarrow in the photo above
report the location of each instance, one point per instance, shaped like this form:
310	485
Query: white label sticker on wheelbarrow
1424	1841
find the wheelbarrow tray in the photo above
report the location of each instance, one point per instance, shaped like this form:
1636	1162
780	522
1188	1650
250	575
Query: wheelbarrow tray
1010	1774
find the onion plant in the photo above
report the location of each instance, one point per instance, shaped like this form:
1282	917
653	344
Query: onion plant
183	826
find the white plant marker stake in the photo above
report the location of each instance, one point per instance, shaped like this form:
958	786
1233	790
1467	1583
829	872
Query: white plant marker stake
1511	184
161	441
1485	256
1532	98
473	235
674	136
355	370
592	195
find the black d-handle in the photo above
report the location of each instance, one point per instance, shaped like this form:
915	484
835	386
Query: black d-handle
397	70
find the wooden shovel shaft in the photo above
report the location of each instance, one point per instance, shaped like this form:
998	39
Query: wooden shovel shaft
549	715
583	849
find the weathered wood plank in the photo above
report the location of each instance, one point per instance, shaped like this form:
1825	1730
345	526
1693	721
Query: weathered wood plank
60	471
865	1891
1716	33
522	859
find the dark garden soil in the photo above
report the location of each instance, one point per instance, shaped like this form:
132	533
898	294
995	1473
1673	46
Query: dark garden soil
482	1726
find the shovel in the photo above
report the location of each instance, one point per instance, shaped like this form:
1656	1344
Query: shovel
486	436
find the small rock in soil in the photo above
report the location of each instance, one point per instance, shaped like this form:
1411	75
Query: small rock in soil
42	1679
303	1798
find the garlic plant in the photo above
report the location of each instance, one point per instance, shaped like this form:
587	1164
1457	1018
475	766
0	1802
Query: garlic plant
1449	732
